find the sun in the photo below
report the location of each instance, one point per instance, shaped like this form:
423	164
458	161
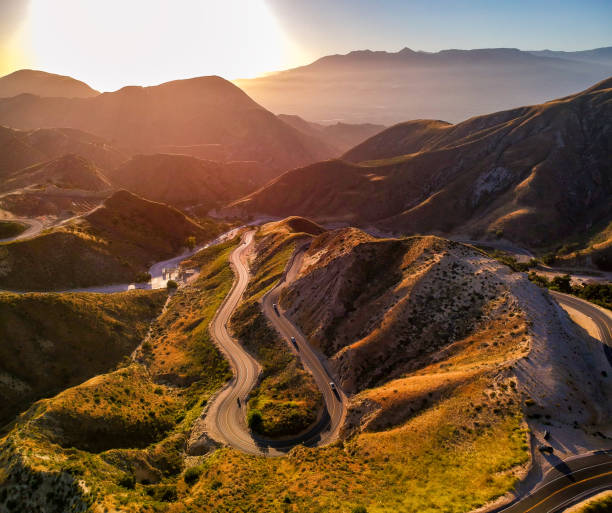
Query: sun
114	43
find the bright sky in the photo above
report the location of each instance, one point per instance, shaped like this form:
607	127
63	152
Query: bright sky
112	43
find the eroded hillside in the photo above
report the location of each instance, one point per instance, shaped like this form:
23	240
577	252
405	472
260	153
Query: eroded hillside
408	322
535	175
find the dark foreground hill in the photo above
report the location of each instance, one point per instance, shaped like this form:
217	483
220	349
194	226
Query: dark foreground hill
535	175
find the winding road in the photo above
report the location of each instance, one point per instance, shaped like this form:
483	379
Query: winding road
569	482
33	229
226	417
602	320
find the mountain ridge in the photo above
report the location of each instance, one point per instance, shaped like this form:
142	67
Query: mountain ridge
453	85
535	174
42	83
207	117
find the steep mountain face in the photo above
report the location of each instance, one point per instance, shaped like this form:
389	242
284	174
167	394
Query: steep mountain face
378	308
23	148
340	136
67	172
453	85
206	117
534	174
183	180
41	83
409	323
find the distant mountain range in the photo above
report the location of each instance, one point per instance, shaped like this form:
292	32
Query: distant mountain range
535	175
453	85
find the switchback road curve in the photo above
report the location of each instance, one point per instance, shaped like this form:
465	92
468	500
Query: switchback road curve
226	418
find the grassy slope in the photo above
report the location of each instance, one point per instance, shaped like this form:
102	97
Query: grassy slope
110	245
454	452
286	399
11	229
129	426
53	341
448	436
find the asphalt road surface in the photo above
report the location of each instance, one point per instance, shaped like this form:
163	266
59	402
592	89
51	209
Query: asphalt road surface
569	482
34	228
601	319
158	281
226	418
579	477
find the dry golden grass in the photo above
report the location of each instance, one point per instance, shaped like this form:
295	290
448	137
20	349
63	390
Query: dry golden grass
54	341
122	430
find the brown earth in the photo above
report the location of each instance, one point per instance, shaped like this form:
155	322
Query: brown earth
535	175
41	83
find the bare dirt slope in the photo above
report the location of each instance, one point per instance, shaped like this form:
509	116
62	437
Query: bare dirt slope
408	321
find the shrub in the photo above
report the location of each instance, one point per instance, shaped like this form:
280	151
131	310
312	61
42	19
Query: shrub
192	475
359	509
255	420
562	283
143	278
190	242
128	481
163	493
171	285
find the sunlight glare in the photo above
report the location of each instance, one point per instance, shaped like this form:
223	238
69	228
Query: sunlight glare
114	43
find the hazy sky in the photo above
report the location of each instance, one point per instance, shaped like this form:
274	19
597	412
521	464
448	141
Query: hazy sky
112	43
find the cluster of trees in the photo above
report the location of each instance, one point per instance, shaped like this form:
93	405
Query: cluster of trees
512	262
598	293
